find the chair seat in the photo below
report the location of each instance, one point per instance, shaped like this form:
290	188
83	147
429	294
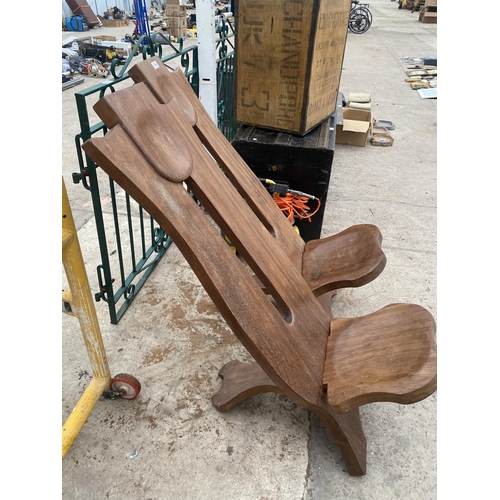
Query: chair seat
351	258
389	355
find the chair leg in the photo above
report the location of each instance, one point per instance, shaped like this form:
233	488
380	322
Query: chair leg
241	381
347	430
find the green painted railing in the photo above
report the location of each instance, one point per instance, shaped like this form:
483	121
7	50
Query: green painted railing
225	79
131	243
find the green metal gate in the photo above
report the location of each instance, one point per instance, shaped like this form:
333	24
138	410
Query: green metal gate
225	79
131	243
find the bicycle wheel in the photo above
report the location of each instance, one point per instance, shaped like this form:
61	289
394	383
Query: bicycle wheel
362	9
359	23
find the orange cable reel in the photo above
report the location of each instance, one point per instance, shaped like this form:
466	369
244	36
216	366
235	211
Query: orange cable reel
292	203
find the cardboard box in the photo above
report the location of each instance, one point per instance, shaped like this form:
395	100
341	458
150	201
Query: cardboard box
355	128
178	32
176	10
289	56
430	3
429	17
113	23
177	21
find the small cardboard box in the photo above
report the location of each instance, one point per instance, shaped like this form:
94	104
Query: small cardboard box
429	17
355	128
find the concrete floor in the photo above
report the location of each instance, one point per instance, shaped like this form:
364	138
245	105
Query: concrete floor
171	442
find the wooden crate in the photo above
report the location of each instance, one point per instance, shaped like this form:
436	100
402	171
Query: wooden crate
289	56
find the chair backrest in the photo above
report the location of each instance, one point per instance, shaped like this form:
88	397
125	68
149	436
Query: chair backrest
151	150
167	85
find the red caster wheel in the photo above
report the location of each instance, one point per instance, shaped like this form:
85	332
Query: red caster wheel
128	386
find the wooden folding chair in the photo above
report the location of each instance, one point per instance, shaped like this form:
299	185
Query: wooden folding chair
154	151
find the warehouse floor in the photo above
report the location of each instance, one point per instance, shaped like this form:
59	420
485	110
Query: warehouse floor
171	443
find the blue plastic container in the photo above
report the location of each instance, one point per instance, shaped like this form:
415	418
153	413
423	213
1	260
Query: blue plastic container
76	23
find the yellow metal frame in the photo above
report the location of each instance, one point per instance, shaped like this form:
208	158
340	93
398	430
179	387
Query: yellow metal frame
79	298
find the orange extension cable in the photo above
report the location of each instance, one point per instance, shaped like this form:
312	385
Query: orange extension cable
293	205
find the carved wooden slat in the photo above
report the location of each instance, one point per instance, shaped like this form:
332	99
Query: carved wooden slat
167	85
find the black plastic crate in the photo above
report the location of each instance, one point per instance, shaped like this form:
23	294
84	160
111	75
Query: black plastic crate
303	162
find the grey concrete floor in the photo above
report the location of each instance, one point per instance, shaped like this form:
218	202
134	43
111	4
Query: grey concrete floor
170	442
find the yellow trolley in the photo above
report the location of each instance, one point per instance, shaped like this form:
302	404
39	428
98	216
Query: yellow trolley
77	301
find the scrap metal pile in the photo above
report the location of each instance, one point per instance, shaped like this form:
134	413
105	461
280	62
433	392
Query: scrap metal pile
88	58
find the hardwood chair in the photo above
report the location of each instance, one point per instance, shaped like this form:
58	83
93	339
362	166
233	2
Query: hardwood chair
330	367
351	258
